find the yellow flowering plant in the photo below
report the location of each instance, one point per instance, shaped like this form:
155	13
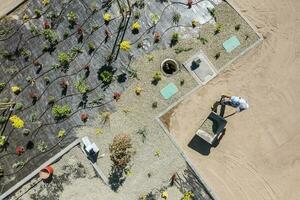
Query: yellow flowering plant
107	17
135	26
15	89
16	121
125	45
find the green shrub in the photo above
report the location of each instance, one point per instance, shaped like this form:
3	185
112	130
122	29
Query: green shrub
37	13
2	86
72	17
81	86
157	76
60	112
175	38
51	36
3	119
18	106
64	59
25	53
106	76
176	18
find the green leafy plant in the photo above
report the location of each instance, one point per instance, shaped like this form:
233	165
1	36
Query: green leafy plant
174	38
137	15
42	146
176	17
33	117
106	77
72	18
37	13
2	140
81	86
154	18
64	59
188	196
25	54
61	133
2	86
18	106
157	76
18	164
61	111
91	47
34	30
51	36
218	28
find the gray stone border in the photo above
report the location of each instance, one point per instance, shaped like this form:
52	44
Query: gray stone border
35	172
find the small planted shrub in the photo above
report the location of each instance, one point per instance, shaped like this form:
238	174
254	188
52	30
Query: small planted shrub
2	140
45	2
154	104
37	13
188	196
81	86
135	27
16	121
138	90
64	59
121	151
194	23
106	77
218	28
25	54
51	36
26	131
116	96
217	56
18	106
2	119
137	15
66	34
174	38
61	111
25	18
42	146
84	117
189	3
125	45
61	133
105	116
154	18
157	37
176	17
47	80
51	100
72	18
156	77
33	117
16	89
2	86
91	47
237	27
107	17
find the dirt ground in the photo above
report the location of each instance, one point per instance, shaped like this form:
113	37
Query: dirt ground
259	156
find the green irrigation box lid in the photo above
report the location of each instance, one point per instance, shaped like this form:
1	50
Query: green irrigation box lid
230	44
168	91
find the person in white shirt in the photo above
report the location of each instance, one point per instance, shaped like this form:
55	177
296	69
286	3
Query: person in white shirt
237	102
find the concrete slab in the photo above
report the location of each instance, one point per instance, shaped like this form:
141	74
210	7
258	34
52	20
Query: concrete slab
200	68
6	6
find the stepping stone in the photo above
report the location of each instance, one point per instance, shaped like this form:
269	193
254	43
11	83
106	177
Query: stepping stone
168	91
230	44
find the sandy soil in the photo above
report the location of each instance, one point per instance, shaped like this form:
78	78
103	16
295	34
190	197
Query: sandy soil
259	156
